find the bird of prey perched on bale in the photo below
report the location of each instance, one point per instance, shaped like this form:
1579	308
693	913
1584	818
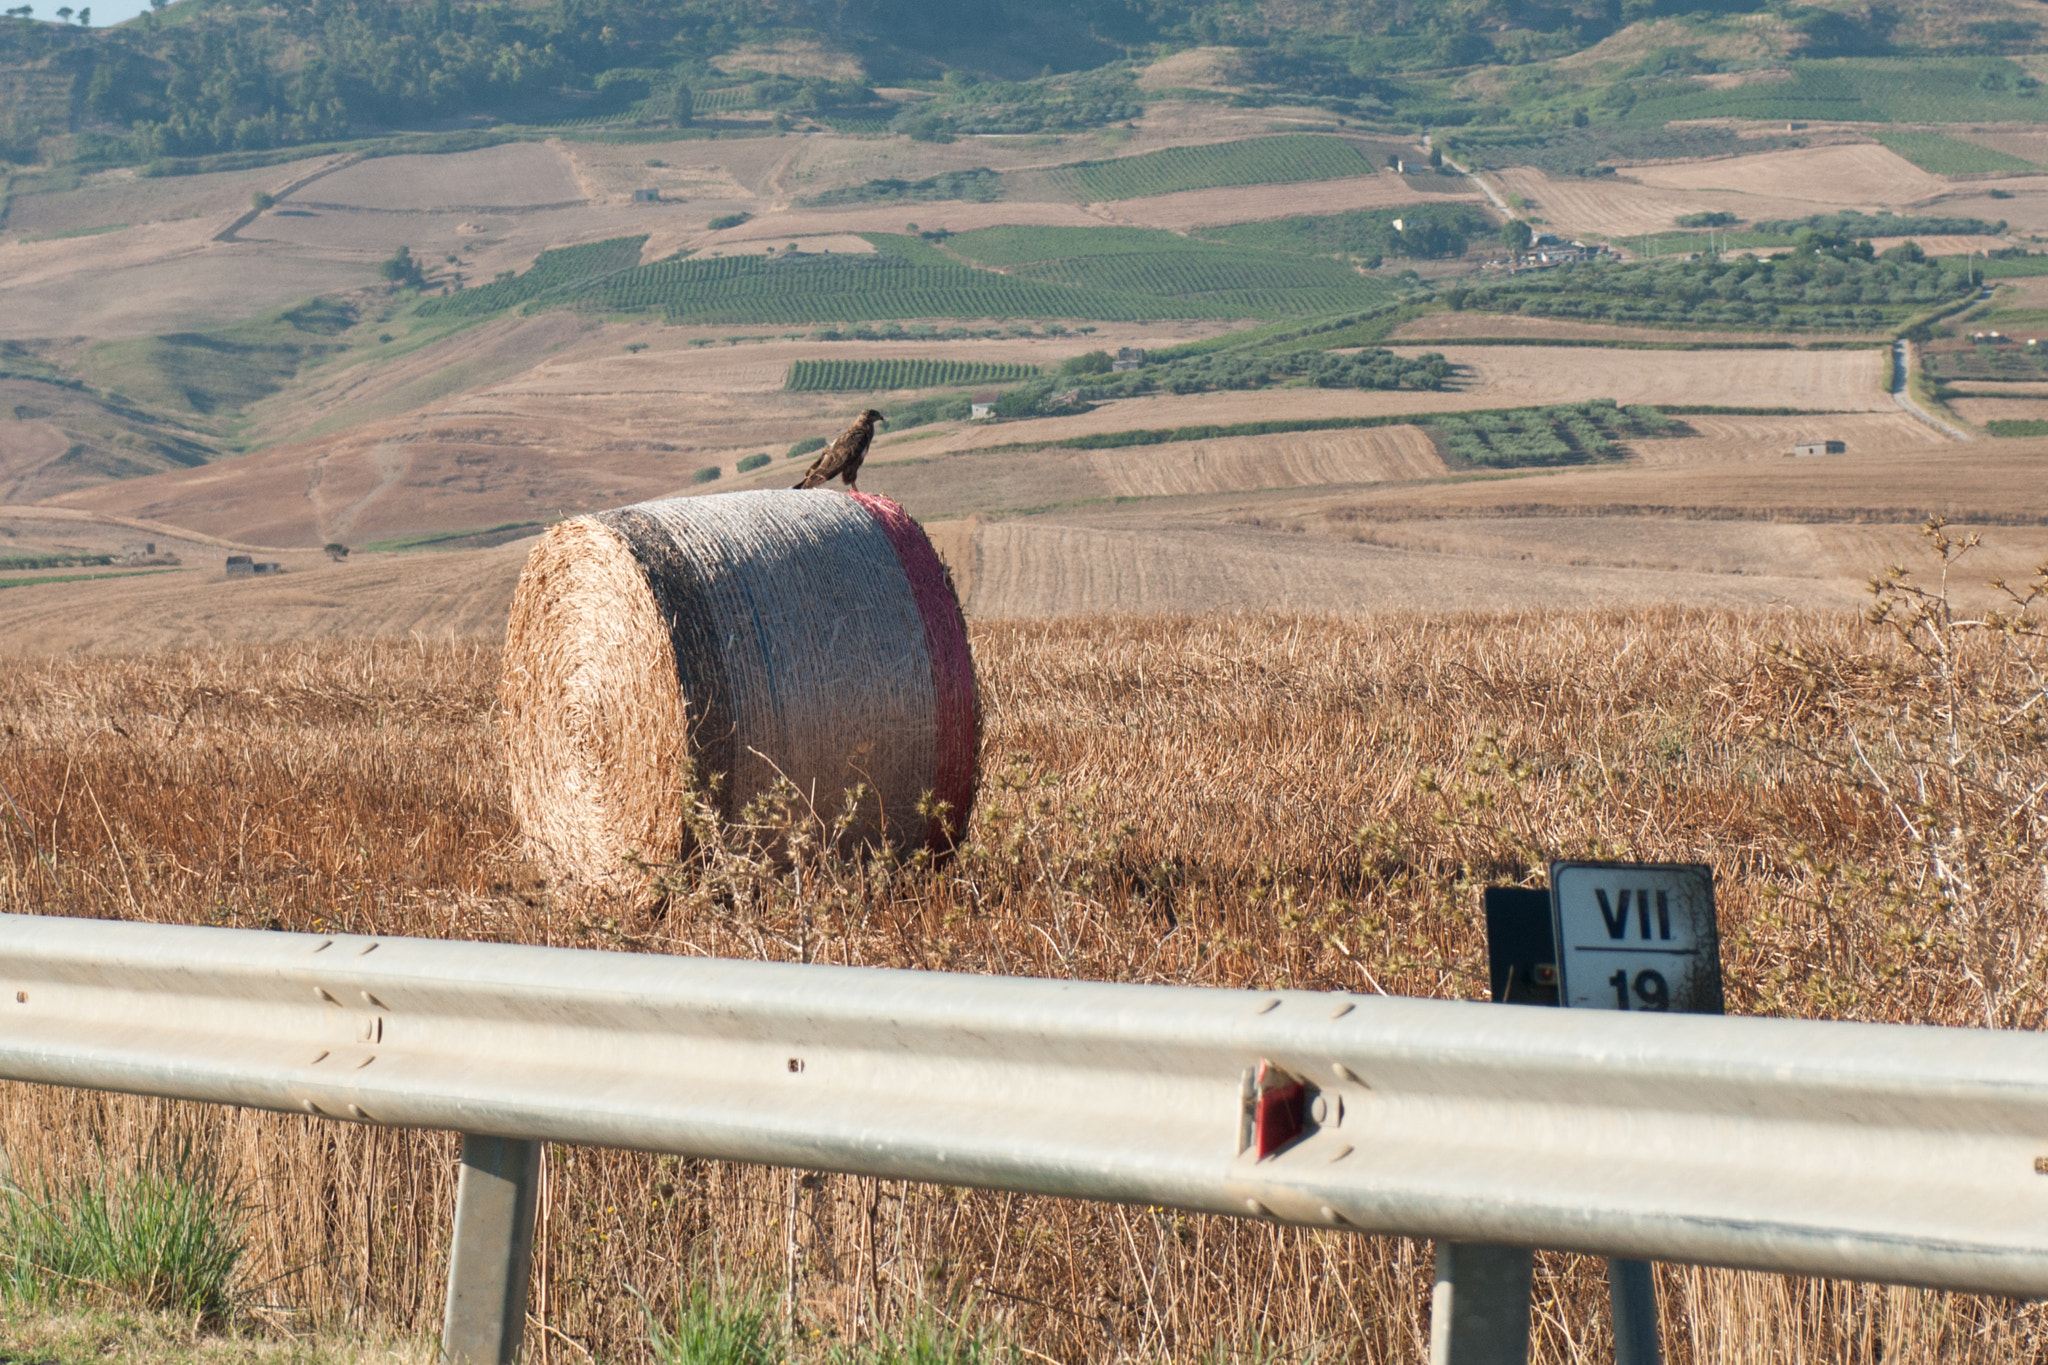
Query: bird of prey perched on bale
841	459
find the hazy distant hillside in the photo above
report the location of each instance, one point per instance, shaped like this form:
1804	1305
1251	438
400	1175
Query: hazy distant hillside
217	76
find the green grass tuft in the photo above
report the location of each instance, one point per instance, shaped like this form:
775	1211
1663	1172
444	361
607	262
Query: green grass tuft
718	1329
165	1236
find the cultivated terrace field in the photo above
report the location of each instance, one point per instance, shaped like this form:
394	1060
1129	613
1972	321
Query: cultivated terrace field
1362	437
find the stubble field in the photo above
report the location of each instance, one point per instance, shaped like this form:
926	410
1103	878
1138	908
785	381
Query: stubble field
1240	801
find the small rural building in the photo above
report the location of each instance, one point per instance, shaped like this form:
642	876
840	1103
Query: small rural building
240	566
1820	447
982	408
1128	358
646	196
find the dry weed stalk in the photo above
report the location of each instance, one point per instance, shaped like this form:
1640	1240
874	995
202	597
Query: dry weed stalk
1944	734
1229	800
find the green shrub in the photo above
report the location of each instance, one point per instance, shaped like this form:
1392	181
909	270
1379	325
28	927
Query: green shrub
980	185
804	447
749	463
728	220
705	475
1089	362
2017	426
166	1236
403	270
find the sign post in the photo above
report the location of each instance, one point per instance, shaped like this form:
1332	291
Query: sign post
1613	936
1635	936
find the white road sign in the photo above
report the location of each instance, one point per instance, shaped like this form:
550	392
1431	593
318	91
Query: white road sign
1636	936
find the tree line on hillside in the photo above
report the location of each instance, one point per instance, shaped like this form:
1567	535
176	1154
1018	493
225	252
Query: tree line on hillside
208	76
1827	282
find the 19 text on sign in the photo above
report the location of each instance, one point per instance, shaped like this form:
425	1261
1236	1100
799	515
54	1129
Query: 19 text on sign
1636	936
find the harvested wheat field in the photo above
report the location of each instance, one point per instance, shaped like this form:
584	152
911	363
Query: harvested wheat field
1248	800
1055	566
1983	483
1617	208
943	485
1718	439
1983	407
1850	174
437	597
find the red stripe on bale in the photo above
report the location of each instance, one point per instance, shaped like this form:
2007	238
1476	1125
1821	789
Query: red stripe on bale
945	636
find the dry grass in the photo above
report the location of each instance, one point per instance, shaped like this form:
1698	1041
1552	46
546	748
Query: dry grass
1231	800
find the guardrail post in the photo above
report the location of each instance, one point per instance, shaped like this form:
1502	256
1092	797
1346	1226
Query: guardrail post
1479	1311
1632	1290
487	1267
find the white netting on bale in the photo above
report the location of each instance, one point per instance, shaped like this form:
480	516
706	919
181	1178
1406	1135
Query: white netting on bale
810	635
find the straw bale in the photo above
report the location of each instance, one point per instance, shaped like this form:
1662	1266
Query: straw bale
711	646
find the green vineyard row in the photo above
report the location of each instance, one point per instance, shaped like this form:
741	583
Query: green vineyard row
905	278
850	376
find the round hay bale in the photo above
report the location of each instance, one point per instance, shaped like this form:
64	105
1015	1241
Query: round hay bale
660	652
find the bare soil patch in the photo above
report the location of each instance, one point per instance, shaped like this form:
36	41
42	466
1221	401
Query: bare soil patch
111	197
156	278
61	438
1201	68
513	174
482	243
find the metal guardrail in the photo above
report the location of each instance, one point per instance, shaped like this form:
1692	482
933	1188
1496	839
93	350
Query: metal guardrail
1904	1154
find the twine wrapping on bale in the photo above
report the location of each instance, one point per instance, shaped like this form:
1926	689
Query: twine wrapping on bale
660	652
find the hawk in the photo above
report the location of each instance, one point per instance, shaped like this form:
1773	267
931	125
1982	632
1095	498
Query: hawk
841	459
